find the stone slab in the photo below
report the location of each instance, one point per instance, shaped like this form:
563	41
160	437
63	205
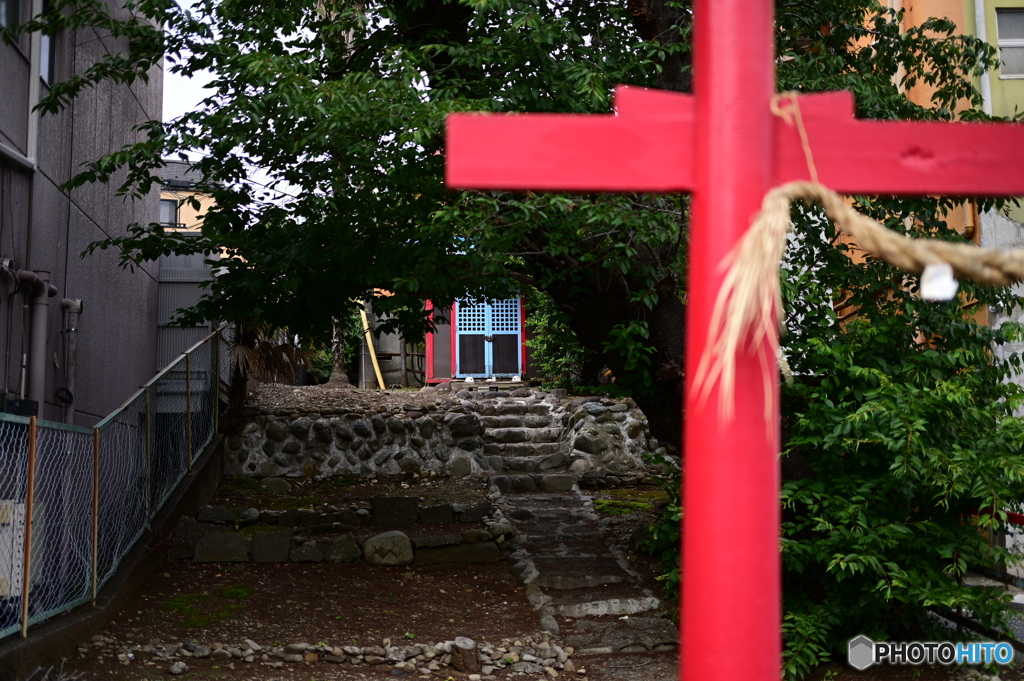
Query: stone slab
437	515
271	547
394	511
476	513
437	540
221	547
485	552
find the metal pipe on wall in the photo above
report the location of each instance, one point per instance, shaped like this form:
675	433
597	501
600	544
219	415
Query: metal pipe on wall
40	291
74	308
981	31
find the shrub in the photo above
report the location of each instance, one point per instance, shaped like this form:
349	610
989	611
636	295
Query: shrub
902	448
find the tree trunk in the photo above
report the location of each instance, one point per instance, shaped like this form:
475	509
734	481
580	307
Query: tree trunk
234	419
593	318
338	375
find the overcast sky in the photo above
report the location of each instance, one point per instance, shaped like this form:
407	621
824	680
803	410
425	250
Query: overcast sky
183	94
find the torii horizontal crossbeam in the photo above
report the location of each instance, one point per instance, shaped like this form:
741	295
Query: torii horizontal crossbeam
647	147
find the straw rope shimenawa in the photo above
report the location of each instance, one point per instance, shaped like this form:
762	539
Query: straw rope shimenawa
749	305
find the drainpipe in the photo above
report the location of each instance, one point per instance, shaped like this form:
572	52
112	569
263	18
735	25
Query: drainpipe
74	308
39	288
981	30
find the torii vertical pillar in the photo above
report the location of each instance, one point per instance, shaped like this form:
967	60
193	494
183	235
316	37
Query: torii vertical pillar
731	480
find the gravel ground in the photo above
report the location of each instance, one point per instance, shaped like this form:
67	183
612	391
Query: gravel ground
271	398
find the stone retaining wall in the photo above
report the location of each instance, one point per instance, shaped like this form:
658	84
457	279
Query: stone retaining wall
472	433
212	536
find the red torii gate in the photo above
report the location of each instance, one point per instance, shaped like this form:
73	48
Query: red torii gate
726	147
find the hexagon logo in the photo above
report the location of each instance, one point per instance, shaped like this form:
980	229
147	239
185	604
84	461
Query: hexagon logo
861	653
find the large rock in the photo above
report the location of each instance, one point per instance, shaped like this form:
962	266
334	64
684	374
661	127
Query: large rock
279	485
474	514
213	514
221	547
300	427
394	511
409	462
306	553
506	435
557	483
276	431
580	466
524	484
502	482
426	426
591	442
465	425
461	467
271	547
388	549
343	550
553	461
323	432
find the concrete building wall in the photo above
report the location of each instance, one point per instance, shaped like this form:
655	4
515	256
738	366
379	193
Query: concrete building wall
116	332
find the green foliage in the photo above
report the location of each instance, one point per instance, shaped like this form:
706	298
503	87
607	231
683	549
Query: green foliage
554	349
903	417
321	360
898	416
342	105
617	507
663	537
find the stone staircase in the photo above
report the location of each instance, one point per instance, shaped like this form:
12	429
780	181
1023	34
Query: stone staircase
526	434
581	581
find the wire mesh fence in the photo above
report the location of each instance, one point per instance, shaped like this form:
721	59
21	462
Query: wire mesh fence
124	499
74	501
60	556
169	456
201	396
13	482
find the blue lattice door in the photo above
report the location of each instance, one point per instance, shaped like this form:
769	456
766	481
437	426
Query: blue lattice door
488	339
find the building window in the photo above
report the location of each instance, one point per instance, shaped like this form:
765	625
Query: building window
48	58
169	212
1010	24
10	13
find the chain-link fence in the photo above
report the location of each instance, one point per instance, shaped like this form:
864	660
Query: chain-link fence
73	500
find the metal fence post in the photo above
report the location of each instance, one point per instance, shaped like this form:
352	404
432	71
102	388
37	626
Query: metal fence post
95	509
216	381
188	409
149	453
26	562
